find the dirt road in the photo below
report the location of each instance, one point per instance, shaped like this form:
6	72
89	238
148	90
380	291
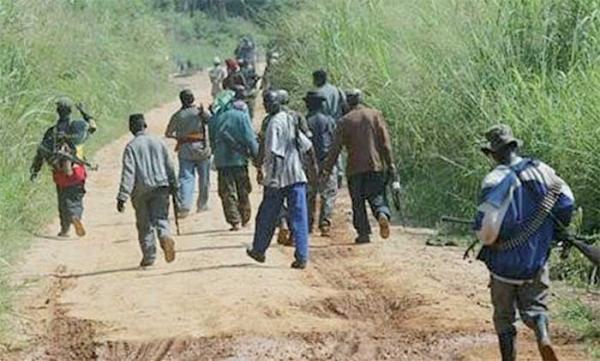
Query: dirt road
85	299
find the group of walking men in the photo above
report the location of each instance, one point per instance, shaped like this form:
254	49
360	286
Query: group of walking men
524	204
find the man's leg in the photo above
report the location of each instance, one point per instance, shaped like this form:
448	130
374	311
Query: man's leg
375	193
243	189
266	221
187	182
227	193
159	215
74	207
328	195
532	301
203	167
359	210
298	215
65	219
504	297
145	229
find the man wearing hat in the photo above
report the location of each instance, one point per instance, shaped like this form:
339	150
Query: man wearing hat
364	133
322	135
62	148
188	127
524	207
217	74
148	177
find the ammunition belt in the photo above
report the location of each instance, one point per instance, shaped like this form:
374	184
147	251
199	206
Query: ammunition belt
546	205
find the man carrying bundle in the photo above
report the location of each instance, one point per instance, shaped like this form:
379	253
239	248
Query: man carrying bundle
148	178
364	133
524	207
62	149
188	127
234	143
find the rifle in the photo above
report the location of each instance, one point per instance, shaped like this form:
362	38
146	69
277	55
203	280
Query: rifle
70	157
176	211
583	244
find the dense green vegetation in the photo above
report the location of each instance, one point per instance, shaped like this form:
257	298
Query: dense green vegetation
111	55
203	29
444	71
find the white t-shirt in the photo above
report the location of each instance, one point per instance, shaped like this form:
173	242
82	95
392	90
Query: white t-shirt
283	163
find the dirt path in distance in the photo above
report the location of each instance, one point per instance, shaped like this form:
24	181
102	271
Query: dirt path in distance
85	299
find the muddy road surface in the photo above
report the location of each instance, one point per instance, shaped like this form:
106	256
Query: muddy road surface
86	299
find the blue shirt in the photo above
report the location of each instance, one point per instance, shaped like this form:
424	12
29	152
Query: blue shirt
510	198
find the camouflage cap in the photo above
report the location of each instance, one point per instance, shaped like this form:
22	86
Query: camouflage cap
497	137
216	60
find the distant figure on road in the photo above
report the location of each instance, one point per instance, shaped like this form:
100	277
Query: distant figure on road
62	149
322	130
364	133
246	50
267	78
148	177
217	74
284	179
524	206
188	127
234	75
234	142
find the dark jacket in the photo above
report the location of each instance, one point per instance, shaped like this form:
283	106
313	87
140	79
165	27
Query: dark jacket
322	131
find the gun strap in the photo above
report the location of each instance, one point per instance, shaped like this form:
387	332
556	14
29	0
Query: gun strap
544	210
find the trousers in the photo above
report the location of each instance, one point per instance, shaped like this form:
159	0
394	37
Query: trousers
367	187
152	218
187	181
530	299
70	204
269	214
234	191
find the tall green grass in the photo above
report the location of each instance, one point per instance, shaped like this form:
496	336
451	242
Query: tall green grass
110	54
444	71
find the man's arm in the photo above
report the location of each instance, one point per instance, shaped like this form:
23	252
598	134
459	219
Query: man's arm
384	142
248	135
127	175
170	168
334	153
170	131
41	154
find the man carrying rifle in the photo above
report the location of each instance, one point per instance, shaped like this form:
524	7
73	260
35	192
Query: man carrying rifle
364	133
62	149
524	207
148	178
188	127
234	142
